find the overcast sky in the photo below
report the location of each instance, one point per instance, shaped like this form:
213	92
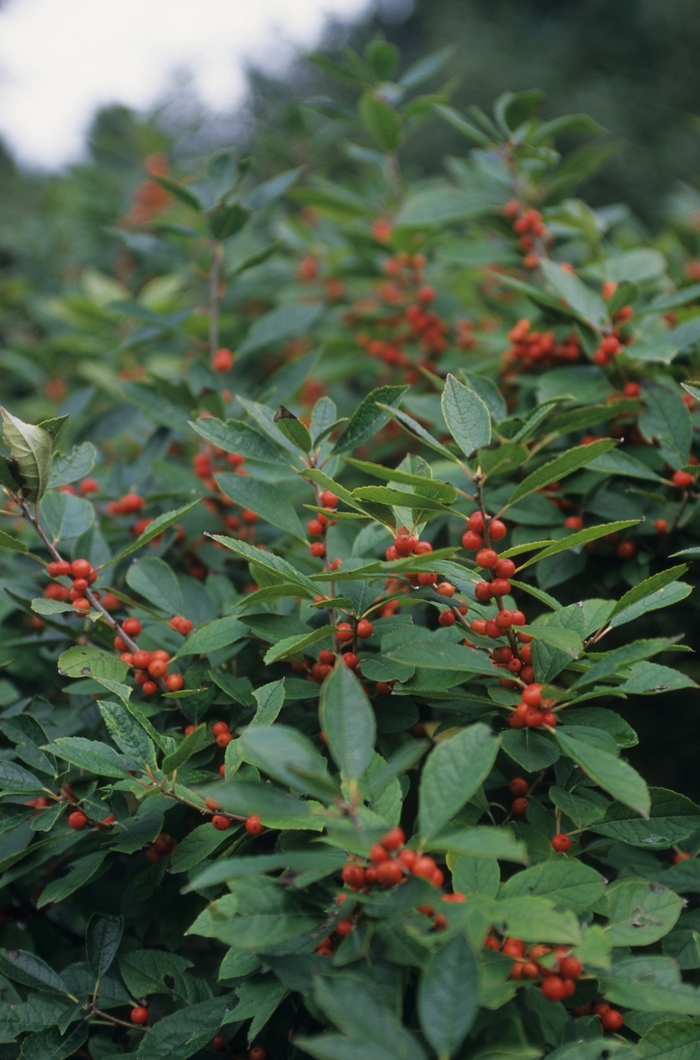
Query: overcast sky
60	59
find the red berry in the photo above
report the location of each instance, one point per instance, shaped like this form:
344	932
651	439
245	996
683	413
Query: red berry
472	541
570	968
661	526
253	825
131	626
142	659
394	839
314	527
518	786
483	592
224	739
561	843
497	530
408	858
553	988
220	823
426	578
532	695
219	727
149	688
389	873
80	568
445	589
478	626
77	820
486	557
574	522
257	1053
139	1014
405	544
446	618
364	628
682	479
681	855
350	660
611	1020
549	719
493	629
317	549
476	522
223	360
157	668
422	548
218	1043
500	586
513	948
627	549
519	807
328	499
353	875
424	866
378	853
174	682
505	568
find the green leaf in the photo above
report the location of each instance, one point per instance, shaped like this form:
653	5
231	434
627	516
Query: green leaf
534	918
531	750
647	587
258	997
71	466
79	873
672	819
17	780
29	970
670	1040
270	699
356	1010
480	843
452	774
91	662
587	304
236	436
128	734
580	537
294	429
145	971
466	416
567	883
6	541
550	658
448	996
263	498
64	516
440	491
556	469
666	418
368	417
196	846
613	775
297	644
650	984
640	912
622	658
348	721
272	189
212	636
104	934
277	566
415	428
180	192
90	755
152	578
30	453
50	1044
184	751
664	597
227	219
439	655
154	528
381	121
184	1032
289	758
398	498
282	323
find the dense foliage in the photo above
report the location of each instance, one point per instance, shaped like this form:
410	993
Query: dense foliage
339	516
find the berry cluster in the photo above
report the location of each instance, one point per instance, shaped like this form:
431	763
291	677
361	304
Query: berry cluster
318	526
539	349
163	846
150	666
611	1019
529	226
391	863
558	974
83	576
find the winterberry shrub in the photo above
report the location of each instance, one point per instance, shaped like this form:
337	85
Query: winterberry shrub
301	755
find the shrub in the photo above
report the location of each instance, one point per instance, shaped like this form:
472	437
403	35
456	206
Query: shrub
354	787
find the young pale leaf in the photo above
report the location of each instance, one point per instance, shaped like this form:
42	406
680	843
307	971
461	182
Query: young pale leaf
452	774
556	469
466	416
104	934
30	454
448	996
348	721
370	416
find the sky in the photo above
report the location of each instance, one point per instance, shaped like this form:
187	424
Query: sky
61	59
